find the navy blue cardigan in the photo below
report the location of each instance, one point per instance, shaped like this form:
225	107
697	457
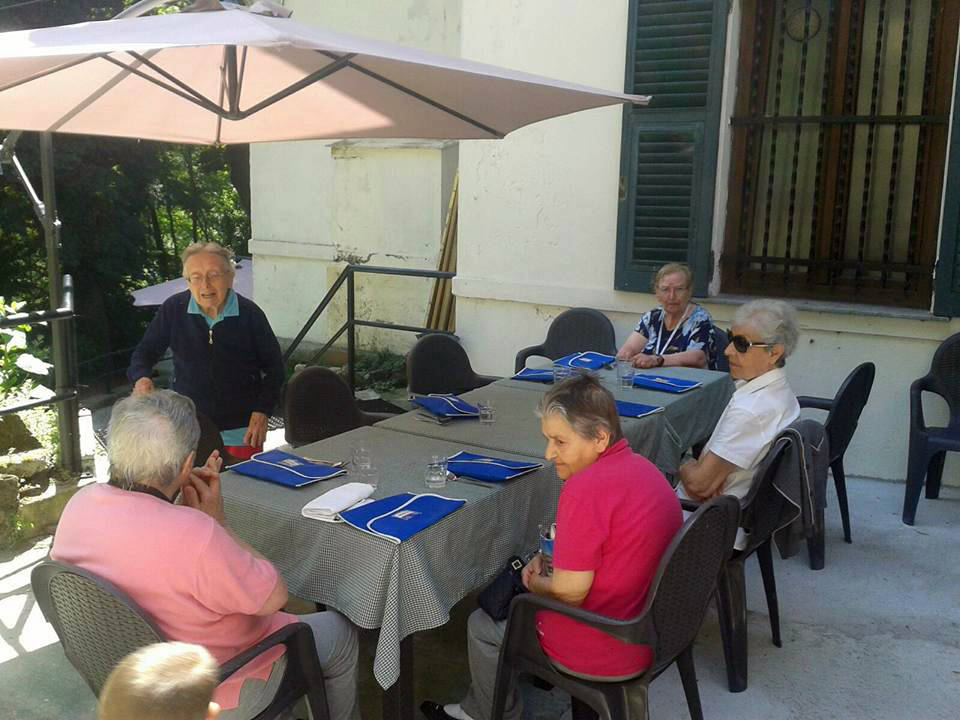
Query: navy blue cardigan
229	372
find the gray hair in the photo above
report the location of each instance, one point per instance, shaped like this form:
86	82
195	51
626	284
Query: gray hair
774	320
586	404
225	255
150	437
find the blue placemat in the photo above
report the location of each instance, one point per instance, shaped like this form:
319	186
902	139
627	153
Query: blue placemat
544	375
400	517
490	469
636	410
285	468
587	360
448	406
664	383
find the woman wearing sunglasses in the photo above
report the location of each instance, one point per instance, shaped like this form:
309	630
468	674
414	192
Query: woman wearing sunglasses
764	334
678	332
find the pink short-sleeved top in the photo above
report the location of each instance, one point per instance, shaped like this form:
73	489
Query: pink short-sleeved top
181	567
616	518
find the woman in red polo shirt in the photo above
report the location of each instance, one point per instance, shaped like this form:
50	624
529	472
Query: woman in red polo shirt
615	518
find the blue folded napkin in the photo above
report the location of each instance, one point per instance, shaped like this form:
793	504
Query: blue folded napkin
448	406
402	516
544	375
636	410
664	383
586	360
285	468
490	469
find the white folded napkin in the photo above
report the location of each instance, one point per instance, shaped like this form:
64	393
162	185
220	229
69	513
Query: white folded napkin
327	506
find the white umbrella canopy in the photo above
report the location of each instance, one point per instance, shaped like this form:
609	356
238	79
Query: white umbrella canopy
234	76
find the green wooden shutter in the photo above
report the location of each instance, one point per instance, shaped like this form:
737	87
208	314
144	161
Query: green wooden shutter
669	149
946	287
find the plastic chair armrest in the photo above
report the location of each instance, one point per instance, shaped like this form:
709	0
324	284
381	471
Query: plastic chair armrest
818	403
525	353
290	635
484	380
634	631
917	387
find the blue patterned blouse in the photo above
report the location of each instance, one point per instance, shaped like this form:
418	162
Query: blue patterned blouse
694	334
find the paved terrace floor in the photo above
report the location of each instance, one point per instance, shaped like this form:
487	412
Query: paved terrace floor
874	635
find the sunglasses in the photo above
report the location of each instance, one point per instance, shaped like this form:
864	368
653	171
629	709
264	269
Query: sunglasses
741	344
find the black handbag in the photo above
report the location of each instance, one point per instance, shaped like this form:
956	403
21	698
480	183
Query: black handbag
495	598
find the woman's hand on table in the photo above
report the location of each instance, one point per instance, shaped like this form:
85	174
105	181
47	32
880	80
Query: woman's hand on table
646	361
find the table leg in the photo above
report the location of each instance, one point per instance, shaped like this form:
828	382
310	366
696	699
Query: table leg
398	698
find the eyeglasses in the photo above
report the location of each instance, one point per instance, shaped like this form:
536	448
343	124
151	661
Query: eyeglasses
210	277
741	344
663	290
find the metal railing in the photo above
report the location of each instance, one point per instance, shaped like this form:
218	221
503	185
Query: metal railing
66	392
349	327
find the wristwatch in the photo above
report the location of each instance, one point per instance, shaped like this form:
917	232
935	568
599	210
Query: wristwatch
659	360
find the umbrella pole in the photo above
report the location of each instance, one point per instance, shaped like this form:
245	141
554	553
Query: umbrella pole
64	350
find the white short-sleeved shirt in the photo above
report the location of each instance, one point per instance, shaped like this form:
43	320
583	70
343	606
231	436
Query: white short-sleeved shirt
758	411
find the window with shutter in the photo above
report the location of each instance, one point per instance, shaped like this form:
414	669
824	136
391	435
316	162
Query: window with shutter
669	149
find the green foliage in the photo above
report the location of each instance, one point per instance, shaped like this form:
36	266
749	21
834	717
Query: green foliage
16	362
381	370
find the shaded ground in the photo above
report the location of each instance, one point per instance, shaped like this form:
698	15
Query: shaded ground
874	635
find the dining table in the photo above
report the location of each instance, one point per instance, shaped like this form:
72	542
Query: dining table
398	588
662	437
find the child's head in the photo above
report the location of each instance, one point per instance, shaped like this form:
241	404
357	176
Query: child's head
174	681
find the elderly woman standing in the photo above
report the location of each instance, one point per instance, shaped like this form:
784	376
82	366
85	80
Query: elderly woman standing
677	332
225	355
764	334
615	517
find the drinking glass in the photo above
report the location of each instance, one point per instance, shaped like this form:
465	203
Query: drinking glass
487	414
361	458
625	374
370	475
436	474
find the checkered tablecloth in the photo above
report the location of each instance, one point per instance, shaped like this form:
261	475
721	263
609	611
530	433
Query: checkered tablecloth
403	588
663	437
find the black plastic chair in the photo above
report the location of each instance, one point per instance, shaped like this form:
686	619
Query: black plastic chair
671	618
575	330
439	364
317	404
844	411
98	625
720	341
930	445
760	511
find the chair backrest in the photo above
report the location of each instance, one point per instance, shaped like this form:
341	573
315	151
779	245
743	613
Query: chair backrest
438	364
580	329
687	576
719	339
761	507
317	404
848	404
945	369
97	623
210	440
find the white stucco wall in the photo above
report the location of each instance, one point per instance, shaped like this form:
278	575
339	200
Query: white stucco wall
318	205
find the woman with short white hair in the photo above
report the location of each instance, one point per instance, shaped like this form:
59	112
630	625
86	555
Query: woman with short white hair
225	355
763	336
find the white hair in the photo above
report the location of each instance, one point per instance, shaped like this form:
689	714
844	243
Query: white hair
150	437
225	255
773	320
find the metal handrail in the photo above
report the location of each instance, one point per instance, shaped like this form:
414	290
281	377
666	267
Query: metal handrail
67	390
349	327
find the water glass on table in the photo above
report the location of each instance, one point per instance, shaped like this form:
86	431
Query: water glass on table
368	474
487	414
625	374
436	475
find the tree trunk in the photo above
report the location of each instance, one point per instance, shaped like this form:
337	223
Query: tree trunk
162	257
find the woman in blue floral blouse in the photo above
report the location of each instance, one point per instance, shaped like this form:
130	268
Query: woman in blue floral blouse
678	332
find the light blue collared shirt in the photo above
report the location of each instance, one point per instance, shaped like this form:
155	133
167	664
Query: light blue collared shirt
231	308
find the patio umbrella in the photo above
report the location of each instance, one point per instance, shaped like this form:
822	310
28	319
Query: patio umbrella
229	75
154	295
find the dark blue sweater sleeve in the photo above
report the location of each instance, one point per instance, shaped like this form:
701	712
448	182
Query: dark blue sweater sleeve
270	360
151	348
